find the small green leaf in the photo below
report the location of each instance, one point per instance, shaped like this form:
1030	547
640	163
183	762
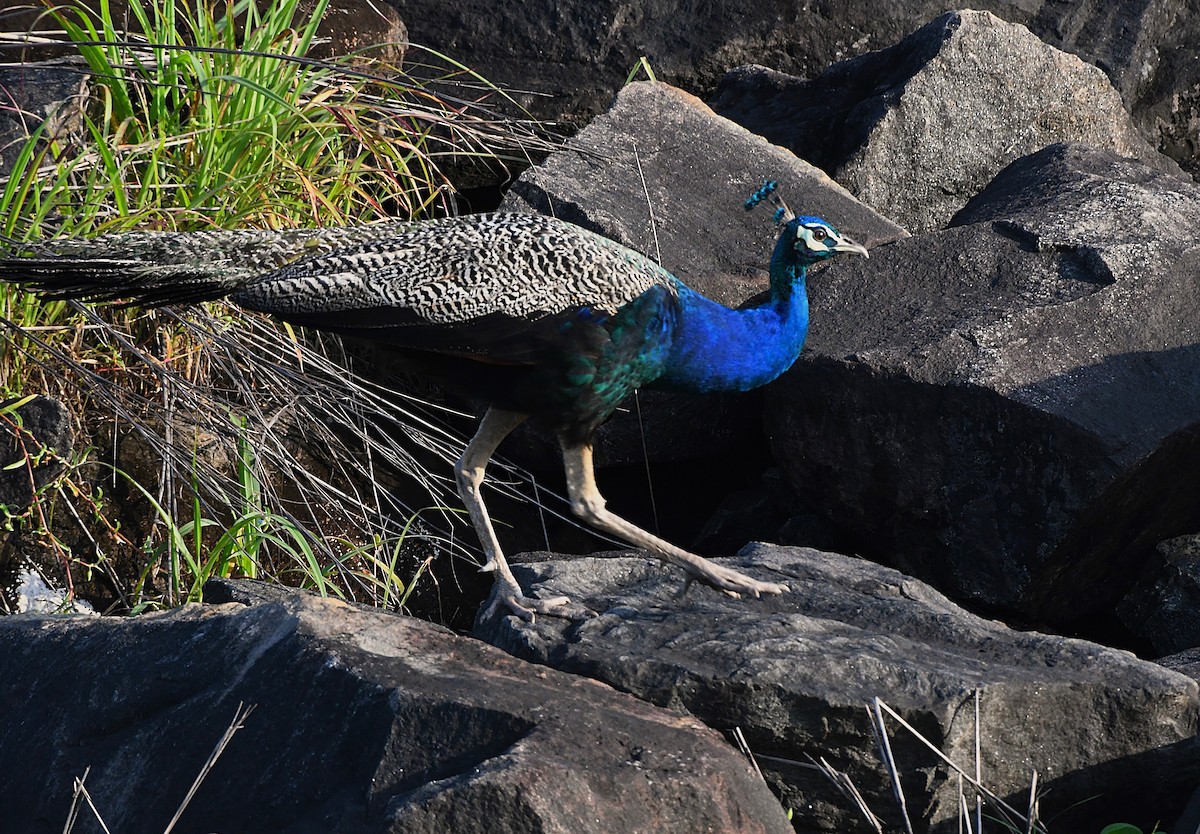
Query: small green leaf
16	404
1120	828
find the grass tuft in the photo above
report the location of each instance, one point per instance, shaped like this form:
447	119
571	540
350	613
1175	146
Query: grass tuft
220	442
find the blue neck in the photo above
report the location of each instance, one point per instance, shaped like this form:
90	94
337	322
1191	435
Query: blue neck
715	348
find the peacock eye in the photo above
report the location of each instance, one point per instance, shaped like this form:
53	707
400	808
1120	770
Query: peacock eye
819	234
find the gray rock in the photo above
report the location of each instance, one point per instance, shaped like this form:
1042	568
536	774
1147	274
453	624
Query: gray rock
1009	408
794	673
364	721
917	129
661	173
1148	50
566	60
1186	662
1163	607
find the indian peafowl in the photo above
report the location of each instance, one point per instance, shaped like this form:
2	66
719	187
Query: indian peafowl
534	316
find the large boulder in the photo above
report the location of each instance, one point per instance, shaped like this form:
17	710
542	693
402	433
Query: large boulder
1111	737
362	722
919	128
1009	408
565	60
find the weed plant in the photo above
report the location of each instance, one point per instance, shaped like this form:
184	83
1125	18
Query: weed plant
218	442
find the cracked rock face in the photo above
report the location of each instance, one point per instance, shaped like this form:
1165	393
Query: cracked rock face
363	722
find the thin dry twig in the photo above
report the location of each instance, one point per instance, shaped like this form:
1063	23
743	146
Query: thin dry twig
990	795
81	792
239	718
889	761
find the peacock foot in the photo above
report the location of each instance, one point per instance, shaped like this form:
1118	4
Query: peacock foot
728	581
507	598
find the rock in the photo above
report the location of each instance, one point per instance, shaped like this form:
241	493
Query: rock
364	721
565	61
661	173
794	672
37	438
1148	51
1163	607
917	129
1186	662
30	94
1009	408
374	30
348	27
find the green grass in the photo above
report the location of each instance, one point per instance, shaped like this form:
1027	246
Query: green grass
210	123
211	115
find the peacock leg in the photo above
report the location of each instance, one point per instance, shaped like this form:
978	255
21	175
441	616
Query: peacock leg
588	504
495	426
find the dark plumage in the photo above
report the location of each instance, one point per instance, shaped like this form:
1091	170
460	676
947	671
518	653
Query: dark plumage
535	316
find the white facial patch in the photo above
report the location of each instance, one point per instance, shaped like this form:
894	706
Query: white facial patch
815	238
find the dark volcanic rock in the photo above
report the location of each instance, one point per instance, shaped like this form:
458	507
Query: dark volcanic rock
917	129
1009	408
364	722
1110	736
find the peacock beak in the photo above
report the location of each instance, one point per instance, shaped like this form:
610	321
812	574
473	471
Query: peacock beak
847	245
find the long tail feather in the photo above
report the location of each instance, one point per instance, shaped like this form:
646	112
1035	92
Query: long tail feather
156	269
110	279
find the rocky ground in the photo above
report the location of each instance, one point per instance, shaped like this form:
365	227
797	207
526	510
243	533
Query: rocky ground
996	419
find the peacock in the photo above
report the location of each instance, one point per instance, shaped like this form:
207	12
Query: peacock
535	317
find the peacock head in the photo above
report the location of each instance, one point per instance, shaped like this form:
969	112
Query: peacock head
804	240
809	240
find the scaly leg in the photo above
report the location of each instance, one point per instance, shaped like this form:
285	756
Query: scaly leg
495	426
588	504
